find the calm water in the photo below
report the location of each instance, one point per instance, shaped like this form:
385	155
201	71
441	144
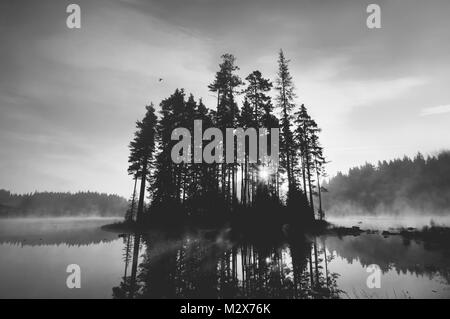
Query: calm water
35	254
386	222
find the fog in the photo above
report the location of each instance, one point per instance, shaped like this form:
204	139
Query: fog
401	187
49	231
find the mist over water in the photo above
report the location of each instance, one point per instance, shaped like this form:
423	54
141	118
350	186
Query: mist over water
406	187
390	221
55	230
399	208
36	252
51	204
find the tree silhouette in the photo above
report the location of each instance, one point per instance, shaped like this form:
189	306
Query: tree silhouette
244	192
141	153
310	154
225	84
285	101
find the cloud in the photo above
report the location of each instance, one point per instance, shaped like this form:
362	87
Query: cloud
69	99
434	110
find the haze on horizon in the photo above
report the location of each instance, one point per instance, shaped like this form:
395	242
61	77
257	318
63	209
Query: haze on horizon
69	99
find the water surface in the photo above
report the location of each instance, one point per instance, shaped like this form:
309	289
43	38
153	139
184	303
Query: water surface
386	222
35	254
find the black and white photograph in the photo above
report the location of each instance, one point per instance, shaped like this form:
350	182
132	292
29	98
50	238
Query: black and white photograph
250	150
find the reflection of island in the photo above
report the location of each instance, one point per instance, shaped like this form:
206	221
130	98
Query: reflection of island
72	232
195	267
393	252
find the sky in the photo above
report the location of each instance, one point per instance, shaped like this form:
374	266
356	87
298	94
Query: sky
69	98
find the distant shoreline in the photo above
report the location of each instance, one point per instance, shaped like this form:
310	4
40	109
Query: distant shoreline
57	204
60	217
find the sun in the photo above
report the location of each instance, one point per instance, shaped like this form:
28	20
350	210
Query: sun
264	172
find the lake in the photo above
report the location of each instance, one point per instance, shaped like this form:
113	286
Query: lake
35	254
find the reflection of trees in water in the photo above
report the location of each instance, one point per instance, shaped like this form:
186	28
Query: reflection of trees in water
393	253
193	267
39	234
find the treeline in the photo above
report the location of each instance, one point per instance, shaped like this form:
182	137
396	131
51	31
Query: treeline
48	204
420	185
216	191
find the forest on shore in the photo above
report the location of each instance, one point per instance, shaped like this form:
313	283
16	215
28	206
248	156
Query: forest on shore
50	204
245	192
419	185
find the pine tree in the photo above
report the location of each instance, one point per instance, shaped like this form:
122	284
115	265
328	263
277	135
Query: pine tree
256	95
196	190
310	153
246	120
142	149
166	185
319	166
225	84
285	102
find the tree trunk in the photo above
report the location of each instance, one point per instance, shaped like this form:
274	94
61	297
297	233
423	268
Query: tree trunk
133	201
310	189
320	194
142	192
